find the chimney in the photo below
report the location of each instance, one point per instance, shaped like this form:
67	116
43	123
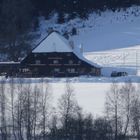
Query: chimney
81	48
72	44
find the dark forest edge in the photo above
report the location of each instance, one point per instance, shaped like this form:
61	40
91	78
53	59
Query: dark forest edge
27	113
19	19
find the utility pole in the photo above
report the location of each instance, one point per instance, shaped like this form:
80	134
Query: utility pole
136	61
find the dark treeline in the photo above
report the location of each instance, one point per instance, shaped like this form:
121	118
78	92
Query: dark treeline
69	6
81	7
78	7
27	113
16	23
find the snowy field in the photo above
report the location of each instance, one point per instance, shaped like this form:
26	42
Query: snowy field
90	91
90	96
127	59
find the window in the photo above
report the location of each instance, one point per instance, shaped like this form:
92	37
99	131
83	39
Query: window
25	70
79	62
38	62
70	62
59	58
55	61
56	70
93	70
35	69
72	70
68	54
35	55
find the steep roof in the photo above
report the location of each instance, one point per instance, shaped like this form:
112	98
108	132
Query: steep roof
53	43
56	43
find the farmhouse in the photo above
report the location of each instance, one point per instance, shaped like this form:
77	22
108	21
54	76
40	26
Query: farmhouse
53	57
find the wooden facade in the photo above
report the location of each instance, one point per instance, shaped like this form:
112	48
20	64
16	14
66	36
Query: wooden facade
56	65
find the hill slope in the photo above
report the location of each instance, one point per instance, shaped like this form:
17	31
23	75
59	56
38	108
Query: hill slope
108	38
101	31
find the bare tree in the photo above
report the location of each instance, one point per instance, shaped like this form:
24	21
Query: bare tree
113	107
36	108
127	92
28	111
44	107
135	114
3	110
19	108
12	103
53	127
67	107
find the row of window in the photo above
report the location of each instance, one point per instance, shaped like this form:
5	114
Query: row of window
58	70
57	62
36	55
70	70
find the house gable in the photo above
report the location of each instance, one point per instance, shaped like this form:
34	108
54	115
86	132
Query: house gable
54	56
53	43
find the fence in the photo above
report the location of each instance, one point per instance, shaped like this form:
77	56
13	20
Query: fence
126	58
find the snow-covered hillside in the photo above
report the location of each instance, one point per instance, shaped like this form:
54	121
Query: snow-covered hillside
104	31
108	38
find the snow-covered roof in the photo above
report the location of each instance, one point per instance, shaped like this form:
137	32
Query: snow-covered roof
53	43
79	54
56	43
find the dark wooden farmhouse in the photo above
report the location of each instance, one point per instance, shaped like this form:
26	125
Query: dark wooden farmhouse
55	57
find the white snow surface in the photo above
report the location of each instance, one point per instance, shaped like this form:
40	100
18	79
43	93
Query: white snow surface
101	31
90	96
53	43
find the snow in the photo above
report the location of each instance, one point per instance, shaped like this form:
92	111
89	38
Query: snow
111	30
127	59
101	31
53	43
90	96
